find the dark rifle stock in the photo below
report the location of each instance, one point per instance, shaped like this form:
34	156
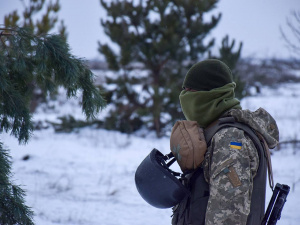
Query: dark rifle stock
276	204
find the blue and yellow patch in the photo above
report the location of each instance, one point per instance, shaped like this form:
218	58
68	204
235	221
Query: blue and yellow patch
235	145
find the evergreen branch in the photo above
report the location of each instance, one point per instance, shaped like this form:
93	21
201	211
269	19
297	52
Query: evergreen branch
12	204
7	29
42	61
3	33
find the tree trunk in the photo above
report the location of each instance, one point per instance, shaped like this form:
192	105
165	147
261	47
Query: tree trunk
157	110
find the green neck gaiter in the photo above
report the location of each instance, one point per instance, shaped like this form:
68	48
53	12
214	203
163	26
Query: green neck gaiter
207	106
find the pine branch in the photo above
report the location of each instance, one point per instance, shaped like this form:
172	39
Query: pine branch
12	204
28	61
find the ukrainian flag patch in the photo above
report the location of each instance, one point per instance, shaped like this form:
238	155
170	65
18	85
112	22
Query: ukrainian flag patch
236	145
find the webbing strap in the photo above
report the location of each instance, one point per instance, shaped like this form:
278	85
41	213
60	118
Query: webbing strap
268	155
230	122
163	161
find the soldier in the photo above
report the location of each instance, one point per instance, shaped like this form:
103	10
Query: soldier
231	162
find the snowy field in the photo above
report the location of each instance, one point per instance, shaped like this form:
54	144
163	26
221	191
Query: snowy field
87	177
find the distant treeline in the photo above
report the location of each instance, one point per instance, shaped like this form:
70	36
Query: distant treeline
254	72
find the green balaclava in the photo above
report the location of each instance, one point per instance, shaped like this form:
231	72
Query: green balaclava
214	92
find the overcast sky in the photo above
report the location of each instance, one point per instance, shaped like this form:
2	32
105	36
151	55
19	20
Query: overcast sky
254	22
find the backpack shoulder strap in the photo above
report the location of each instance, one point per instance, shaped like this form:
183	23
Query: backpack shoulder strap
218	125
230	122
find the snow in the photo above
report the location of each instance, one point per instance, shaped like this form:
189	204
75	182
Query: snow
87	176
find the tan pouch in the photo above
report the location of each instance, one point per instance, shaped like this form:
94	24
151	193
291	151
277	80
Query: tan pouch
188	144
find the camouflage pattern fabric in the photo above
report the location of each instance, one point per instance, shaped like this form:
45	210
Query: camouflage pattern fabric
230	164
261	121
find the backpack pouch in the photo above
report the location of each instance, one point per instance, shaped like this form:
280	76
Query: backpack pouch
188	145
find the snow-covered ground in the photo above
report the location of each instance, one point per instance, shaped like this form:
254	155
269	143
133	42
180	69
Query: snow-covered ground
87	176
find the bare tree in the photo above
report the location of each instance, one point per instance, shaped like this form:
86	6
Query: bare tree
293	24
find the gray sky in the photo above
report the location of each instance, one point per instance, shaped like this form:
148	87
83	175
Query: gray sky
254	22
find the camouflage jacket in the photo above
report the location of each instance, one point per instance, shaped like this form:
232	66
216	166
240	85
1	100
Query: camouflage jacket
230	165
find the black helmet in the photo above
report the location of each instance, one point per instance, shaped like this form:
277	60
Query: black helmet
157	184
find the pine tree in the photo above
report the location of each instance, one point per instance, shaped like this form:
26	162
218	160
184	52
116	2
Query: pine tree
13	209
231	58
48	20
166	38
28	61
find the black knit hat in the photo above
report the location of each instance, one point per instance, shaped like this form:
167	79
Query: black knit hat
207	75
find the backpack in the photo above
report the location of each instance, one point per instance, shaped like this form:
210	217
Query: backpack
188	145
192	209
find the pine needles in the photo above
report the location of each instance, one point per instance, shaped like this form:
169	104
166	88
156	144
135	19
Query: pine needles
12	207
28	61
